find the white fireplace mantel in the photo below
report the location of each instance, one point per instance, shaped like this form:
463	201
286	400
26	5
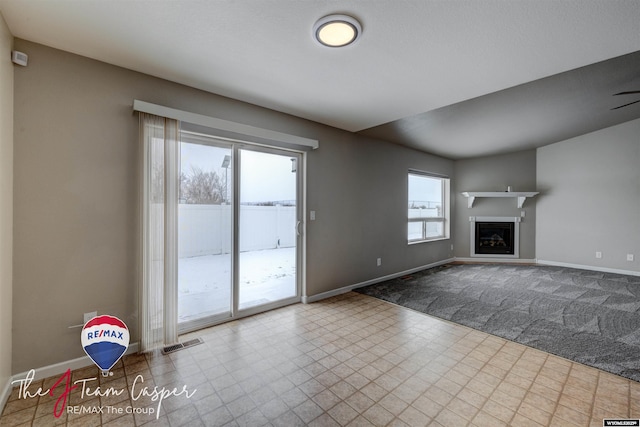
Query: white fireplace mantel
521	195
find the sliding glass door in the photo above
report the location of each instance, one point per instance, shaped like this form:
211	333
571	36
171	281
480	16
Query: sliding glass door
205	225
267	228
238	230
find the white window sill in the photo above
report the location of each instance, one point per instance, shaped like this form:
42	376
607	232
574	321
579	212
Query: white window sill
435	239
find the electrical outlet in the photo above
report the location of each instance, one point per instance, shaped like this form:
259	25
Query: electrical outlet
89	316
312	215
629	257
598	254
379	262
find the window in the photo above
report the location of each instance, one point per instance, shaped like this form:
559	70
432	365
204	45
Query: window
428	213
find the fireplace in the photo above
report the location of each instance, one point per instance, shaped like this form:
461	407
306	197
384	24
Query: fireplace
495	237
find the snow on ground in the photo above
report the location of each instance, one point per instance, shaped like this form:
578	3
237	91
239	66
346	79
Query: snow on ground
204	282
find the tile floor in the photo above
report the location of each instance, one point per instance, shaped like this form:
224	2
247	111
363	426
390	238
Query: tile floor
349	360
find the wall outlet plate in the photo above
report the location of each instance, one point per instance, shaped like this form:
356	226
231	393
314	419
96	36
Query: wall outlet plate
629	257
598	254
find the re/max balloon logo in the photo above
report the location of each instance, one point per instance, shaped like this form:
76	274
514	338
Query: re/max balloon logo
105	339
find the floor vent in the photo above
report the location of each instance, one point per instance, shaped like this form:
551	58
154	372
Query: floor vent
192	342
175	347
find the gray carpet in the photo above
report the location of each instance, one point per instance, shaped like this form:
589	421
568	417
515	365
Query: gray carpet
586	316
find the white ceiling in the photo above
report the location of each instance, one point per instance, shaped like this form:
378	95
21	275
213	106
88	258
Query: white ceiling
414	56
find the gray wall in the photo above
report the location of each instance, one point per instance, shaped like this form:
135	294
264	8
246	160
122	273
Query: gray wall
358	188
6	201
495	173
76	197
591	199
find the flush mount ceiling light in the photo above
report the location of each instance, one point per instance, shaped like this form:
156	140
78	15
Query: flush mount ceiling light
337	30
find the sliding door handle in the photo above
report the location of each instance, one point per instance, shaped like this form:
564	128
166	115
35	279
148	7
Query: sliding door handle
298	228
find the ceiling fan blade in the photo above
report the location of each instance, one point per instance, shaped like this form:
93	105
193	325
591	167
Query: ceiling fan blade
627	93
634	102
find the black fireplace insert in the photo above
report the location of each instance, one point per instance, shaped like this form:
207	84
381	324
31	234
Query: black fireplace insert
495	238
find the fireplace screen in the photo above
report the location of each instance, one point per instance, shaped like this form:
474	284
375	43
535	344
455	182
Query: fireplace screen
494	238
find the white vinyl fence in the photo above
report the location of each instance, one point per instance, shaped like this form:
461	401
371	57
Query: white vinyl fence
423	213
206	229
419	230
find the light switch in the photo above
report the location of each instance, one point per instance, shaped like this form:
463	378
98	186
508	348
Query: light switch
312	215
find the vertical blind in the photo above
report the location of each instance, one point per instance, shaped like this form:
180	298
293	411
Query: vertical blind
160	154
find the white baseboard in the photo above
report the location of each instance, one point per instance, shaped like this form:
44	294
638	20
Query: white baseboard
5	393
53	370
551	263
345	289
479	260
589	267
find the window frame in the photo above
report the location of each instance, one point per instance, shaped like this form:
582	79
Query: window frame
444	218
